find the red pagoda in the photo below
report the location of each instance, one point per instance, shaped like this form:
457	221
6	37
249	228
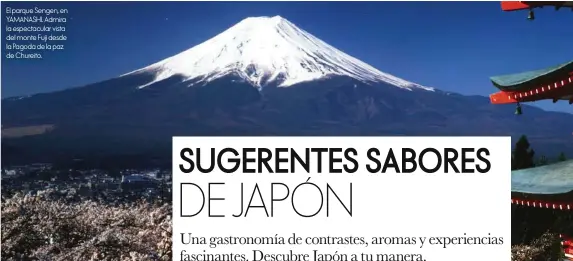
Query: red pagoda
547	191
553	83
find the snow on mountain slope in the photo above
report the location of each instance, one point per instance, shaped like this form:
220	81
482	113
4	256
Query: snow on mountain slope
268	49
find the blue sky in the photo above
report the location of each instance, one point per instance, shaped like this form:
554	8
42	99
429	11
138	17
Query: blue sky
453	46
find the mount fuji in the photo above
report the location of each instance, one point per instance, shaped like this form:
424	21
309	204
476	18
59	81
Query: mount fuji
262	76
266	51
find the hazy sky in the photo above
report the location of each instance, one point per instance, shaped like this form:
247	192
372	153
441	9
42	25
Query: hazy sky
453	46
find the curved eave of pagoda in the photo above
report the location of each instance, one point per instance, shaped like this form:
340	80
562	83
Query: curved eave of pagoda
532	79
549	186
509	6
558	90
555	83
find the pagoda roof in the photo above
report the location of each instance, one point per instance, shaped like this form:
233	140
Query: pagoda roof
532	79
550	179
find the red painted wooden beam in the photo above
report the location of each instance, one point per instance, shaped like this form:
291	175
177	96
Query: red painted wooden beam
568	206
513	6
567	244
568	253
554	91
566	241
509	6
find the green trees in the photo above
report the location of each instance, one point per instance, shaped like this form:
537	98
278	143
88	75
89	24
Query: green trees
562	157
522	155
542	161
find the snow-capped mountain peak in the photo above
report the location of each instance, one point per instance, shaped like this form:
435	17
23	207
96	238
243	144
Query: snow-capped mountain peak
262	50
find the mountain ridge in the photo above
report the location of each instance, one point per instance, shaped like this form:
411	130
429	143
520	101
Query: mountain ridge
265	50
119	116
